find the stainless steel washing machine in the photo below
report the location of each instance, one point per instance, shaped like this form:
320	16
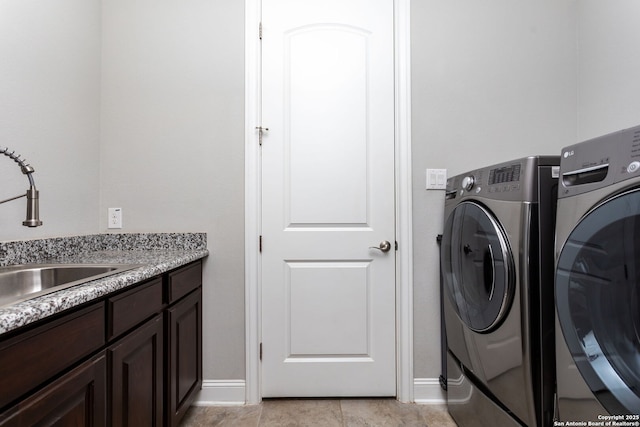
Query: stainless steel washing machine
497	270
598	279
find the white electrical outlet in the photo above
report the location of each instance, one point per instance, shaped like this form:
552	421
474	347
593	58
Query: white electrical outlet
115	218
436	179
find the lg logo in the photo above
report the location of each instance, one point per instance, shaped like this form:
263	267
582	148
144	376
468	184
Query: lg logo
568	154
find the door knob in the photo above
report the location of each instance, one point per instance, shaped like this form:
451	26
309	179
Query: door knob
385	246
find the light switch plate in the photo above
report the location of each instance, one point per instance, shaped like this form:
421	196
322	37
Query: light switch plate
436	179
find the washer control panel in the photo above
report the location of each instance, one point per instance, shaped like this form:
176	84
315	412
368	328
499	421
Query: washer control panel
505	178
502	174
600	162
507	181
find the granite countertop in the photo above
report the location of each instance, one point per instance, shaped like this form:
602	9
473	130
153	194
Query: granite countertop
156	255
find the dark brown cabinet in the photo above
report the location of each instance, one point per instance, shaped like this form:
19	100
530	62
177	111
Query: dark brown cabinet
136	364
184	355
128	309
132	358
76	399
33	357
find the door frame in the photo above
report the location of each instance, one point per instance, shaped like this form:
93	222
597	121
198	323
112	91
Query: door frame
253	208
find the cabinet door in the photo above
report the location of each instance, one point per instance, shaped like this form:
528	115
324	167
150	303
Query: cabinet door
184	352
75	399
136	373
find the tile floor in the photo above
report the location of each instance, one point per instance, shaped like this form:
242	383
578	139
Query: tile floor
321	413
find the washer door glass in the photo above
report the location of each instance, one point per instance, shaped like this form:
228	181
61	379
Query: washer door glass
598	301
477	267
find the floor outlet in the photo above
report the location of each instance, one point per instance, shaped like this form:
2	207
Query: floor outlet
115	218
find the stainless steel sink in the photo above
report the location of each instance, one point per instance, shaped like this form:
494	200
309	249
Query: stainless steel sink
22	282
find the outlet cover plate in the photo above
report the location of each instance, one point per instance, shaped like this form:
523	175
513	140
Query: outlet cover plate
114	219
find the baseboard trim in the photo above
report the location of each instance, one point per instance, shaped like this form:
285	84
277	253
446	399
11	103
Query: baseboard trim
427	391
221	392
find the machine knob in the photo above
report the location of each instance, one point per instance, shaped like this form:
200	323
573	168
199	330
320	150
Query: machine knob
468	182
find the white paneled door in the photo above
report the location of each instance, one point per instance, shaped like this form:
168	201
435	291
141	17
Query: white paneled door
328	287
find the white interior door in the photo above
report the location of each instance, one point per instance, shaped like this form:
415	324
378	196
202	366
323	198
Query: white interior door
328	298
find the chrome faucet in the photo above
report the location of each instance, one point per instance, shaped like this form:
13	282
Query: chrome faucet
33	214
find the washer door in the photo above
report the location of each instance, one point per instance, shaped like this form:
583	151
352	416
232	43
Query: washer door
477	267
598	301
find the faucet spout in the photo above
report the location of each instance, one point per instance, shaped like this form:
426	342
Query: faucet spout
33	209
32	195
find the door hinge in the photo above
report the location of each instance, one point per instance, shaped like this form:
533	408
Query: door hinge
260	351
260	244
260	31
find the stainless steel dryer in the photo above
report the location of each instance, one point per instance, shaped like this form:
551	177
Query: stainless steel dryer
598	279
497	273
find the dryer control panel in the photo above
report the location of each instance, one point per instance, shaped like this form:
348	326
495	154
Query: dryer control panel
600	162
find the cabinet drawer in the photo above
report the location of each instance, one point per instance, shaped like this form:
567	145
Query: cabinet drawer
130	308
183	281
78	398
29	359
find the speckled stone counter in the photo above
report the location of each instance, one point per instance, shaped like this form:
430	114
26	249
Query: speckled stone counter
157	253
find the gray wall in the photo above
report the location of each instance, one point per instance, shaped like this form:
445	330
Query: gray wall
492	81
139	105
608	67
172	148
50	113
